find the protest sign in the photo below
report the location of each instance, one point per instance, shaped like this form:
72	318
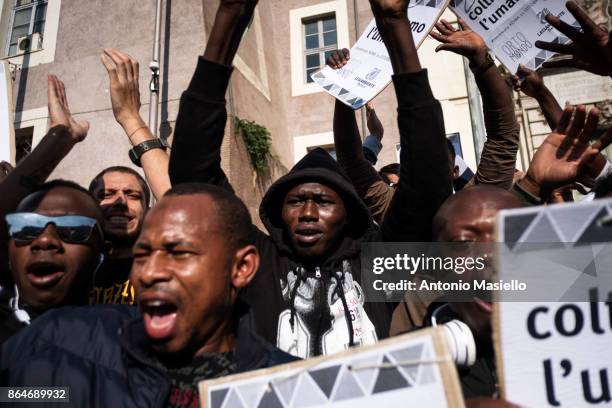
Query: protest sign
511	27
552	354
411	370
369	70
7	136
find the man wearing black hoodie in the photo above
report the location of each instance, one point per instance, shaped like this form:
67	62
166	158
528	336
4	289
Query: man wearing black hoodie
307	297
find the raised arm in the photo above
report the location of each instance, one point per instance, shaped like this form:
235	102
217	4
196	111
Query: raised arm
349	151
425	169
200	124
64	133
498	158
531	84
565	156
123	74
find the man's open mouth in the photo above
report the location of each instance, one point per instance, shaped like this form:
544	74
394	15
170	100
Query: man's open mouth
159	317
44	275
118	220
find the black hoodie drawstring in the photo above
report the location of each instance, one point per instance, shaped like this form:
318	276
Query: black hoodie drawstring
299	273
340	290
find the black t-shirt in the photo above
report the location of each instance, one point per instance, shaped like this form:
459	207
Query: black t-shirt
112	283
184	380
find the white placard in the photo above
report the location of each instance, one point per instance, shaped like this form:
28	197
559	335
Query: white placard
410	370
511	27
369	70
557	354
7	151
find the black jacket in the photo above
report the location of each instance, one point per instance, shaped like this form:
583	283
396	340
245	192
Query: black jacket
102	354
303	311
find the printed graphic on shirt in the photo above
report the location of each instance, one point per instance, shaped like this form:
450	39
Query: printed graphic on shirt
120	293
318	322
112	283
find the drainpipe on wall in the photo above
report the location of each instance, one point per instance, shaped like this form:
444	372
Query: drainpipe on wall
476	115
154	67
364	128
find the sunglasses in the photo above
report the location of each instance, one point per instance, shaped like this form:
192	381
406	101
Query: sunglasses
72	229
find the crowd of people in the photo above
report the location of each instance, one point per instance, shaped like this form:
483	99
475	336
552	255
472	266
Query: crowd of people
132	304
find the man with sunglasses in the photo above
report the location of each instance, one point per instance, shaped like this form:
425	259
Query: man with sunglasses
55	247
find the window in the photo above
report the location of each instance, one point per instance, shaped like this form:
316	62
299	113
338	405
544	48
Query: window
28	18
23	142
315	31
320	40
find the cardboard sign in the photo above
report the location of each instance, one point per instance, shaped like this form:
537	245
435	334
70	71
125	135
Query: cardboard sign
369	70
557	354
410	370
7	132
511	27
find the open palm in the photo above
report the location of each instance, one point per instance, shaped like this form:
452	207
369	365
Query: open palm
59	111
463	42
565	153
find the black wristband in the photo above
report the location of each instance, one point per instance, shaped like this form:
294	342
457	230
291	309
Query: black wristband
137	151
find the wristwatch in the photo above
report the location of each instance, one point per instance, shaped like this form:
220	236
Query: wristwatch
141	148
488	63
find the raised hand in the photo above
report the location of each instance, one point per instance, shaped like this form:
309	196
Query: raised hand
531	83
565	154
338	58
463	42
591	49
123	74
59	111
389	8
375	126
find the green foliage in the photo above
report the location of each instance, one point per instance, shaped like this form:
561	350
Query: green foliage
258	142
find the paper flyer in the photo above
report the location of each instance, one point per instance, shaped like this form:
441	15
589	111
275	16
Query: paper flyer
511	27
369	70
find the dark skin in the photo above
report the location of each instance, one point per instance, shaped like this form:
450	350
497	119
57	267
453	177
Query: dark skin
532	84
315	218
74	264
5	169
590	50
493	89
183	259
469	216
567	153
64	133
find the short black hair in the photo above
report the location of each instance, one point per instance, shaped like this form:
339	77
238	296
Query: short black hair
232	213
393	168
49	185
146	191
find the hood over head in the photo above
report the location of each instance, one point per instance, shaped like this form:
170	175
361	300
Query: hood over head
320	167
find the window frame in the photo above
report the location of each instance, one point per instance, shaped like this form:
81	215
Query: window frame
14	9
322	49
299	84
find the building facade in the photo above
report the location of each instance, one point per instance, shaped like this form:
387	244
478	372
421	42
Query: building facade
286	41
